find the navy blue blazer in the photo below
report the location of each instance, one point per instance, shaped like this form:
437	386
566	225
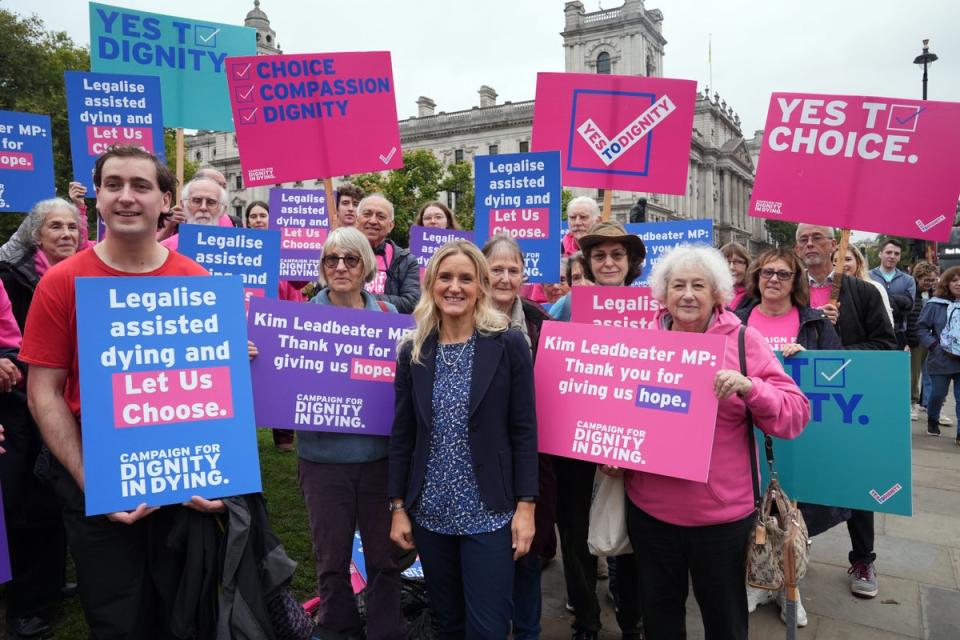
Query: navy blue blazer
502	420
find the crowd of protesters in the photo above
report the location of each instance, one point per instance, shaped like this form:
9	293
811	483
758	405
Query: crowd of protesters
460	480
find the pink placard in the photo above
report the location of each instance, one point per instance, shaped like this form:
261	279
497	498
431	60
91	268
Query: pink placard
171	396
616	132
875	164
628	307
16	160
314	115
641	400
100	138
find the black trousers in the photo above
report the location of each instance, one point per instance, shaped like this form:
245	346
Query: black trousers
35	534
116	589
712	556
574	494
860	527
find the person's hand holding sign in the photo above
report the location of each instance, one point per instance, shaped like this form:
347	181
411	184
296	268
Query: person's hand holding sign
129	517
728	382
205	506
791	349
10	375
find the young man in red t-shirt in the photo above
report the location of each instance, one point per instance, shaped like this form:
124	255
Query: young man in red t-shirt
134	192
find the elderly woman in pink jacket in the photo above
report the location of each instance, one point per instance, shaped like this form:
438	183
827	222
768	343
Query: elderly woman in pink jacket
679	527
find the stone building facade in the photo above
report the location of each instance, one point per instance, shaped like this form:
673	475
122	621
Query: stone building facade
625	40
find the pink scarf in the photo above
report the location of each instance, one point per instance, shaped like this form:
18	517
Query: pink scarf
569	244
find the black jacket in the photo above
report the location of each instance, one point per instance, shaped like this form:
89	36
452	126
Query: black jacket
20	280
914	315
402	288
502	421
863	323
815	331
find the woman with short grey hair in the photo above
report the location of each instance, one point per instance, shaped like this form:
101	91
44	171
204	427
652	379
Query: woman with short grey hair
51	232
680	527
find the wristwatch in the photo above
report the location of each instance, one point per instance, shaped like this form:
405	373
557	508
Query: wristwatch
396	506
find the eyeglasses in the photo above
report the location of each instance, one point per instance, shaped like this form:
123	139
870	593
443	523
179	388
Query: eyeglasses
737	261
782	276
332	261
600	257
199	202
816	238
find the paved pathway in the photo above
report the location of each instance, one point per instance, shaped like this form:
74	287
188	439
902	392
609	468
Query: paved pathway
918	560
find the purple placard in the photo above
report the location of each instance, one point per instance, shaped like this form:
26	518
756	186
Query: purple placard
302	218
335	366
5	573
424	241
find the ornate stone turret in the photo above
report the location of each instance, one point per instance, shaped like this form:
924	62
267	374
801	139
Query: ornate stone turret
266	37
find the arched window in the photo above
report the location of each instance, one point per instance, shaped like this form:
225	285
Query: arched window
603	63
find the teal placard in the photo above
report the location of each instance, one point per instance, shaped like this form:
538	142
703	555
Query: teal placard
855	451
187	55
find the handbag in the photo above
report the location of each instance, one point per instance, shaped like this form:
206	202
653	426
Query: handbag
607	535
779	528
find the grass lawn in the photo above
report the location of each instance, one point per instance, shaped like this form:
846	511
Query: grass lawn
287	515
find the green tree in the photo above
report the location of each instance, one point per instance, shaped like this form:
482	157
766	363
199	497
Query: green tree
31	80
417	182
782	233
170	148
459	182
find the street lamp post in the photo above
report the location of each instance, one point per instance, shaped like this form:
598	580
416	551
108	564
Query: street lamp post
925	60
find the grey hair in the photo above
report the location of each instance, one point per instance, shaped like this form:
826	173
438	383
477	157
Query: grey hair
185	192
375	195
501	242
584	200
350	239
829	231
708	259
38	215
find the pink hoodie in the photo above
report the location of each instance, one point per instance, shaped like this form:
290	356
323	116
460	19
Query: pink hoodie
779	409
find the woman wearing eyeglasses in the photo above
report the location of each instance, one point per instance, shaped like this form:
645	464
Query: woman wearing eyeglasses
344	476
778	306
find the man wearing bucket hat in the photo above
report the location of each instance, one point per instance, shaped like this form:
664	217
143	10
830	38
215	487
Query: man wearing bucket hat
612	258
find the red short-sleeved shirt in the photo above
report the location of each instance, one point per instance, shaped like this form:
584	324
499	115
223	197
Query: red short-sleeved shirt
50	336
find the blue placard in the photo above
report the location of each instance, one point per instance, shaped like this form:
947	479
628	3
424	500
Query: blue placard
26	161
518	194
855	451
424	241
187	55
413	571
660	237
252	254
107	109
165	391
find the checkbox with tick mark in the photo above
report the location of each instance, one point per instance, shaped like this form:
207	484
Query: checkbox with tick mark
244	93
241	71
248	116
903	117
830	372
204	36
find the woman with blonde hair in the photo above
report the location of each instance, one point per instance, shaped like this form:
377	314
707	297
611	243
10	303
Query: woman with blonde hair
463	451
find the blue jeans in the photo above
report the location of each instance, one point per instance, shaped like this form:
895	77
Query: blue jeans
941	384
927	384
526	598
470	581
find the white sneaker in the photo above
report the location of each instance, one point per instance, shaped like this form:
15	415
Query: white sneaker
801	612
757	597
914	412
945	421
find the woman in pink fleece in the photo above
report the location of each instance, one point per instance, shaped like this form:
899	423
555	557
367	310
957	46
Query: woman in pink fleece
679	526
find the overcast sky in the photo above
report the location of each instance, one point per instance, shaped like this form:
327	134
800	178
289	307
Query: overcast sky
446	49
